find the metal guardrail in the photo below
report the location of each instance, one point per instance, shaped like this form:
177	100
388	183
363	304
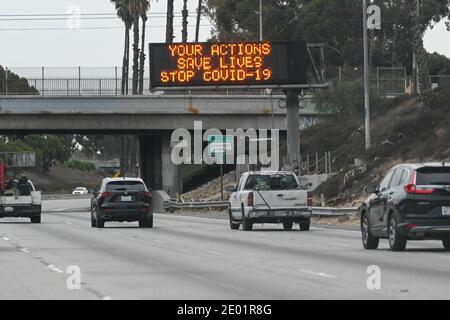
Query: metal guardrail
316	211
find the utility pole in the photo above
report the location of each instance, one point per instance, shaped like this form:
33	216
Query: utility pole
261	35
415	73
366	78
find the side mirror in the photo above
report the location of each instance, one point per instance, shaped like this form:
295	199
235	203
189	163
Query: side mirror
370	189
230	189
308	186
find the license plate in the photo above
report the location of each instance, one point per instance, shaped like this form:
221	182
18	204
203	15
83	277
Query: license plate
125	198
9	209
446	211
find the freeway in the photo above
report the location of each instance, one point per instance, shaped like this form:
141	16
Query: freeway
198	258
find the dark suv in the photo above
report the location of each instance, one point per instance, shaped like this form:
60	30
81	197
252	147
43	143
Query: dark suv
412	202
122	200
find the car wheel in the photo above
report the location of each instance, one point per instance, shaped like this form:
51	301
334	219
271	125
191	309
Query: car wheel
369	242
36	219
397	242
233	224
146	223
93	222
100	223
247	225
446	244
305	225
287	225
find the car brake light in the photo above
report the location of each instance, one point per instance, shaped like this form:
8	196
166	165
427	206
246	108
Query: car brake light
250	200
145	194
413	189
309	199
106	194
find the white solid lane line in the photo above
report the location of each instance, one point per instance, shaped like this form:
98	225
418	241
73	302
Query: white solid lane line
5	238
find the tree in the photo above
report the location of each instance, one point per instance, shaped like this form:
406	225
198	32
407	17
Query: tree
169	23
336	23
144	8
50	147
135	9
199	15
124	14
184	32
11	83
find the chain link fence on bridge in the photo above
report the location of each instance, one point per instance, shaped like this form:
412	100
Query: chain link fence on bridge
107	81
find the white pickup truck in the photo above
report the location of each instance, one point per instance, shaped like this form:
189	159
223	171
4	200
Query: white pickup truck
21	201
269	197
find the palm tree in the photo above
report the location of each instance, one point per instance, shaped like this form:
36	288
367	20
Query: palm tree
169	25
144	8
184	33
124	14
199	14
135	8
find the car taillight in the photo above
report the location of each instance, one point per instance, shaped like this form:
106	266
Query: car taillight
250	200
105	194
413	189
309	199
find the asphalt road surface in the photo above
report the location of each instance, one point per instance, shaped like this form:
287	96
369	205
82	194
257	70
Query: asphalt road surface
197	258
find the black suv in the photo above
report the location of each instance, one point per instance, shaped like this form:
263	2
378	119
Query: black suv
412	202
122	200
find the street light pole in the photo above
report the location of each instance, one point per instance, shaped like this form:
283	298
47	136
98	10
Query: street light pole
366	78
261	35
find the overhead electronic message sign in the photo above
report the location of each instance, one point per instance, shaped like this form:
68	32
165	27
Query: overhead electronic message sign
227	64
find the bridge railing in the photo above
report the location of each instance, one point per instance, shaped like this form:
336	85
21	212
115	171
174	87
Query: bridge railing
99	87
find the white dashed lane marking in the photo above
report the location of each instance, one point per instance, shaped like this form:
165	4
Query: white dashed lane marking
319	274
53	268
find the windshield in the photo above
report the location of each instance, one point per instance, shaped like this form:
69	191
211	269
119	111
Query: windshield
271	182
433	176
131	186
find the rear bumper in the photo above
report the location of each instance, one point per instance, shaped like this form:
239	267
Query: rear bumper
20	211
278	215
430	229
124	215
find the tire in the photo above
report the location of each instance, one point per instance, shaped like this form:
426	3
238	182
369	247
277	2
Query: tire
305	225
247	225
146	223
446	244
36	219
93	222
287	225
369	241
100	223
233	224
397	242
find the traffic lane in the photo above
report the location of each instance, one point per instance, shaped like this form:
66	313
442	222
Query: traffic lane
132	268
66	204
242	251
24	274
321	253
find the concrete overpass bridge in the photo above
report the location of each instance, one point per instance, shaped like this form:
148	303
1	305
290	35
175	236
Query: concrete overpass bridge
152	118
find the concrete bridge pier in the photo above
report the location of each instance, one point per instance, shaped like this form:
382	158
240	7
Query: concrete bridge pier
157	168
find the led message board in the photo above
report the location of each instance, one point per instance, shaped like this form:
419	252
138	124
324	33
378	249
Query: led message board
227	64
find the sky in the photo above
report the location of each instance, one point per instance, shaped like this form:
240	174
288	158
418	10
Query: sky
67	47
